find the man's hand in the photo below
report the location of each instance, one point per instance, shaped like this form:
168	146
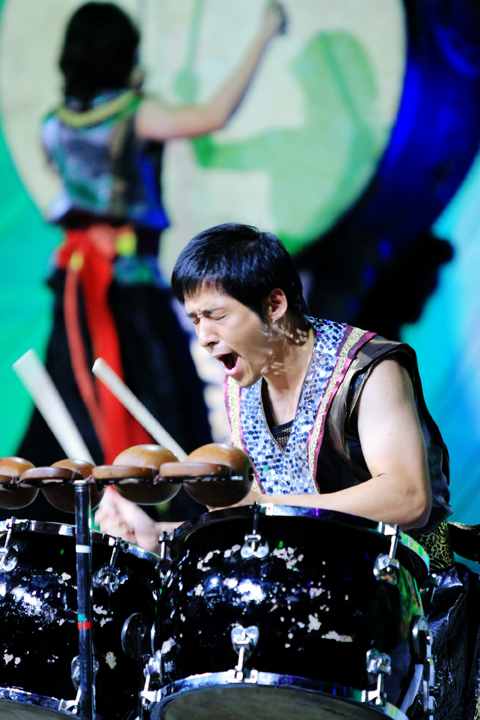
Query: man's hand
124	519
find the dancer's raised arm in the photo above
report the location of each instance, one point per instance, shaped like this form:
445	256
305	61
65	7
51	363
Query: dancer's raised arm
157	121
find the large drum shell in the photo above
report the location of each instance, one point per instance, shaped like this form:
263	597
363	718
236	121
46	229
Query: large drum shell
38	616
314	598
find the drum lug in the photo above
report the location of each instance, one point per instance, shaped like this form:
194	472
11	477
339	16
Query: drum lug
244	642
252	546
8	554
108	576
153	673
165	560
386	567
70	705
8	559
422	649
378	665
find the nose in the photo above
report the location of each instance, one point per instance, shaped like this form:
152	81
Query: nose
205	333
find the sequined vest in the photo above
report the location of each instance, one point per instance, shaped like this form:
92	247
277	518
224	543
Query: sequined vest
293	470
104	168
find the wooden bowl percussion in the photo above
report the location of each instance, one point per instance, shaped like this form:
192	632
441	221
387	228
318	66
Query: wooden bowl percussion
216	475
56	481
135	474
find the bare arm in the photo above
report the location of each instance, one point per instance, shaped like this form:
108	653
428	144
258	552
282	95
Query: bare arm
394	450
156	121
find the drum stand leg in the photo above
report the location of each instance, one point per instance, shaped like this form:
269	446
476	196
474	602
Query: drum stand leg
84	577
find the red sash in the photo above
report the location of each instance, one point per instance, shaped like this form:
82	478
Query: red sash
87	256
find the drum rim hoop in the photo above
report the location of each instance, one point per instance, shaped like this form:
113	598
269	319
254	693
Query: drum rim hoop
23	697
67	530
196	683
421	559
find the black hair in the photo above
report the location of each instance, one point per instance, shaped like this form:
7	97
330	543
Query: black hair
241	261
99	50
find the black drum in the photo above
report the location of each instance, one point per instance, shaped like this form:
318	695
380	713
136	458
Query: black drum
271	611
38	621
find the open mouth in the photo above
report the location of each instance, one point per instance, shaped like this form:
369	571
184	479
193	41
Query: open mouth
228	360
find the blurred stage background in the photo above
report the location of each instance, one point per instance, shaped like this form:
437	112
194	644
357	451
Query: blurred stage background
357	144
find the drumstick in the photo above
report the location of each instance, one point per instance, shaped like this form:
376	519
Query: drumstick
110	378
49	402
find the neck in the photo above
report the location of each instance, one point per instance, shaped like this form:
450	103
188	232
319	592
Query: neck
286	374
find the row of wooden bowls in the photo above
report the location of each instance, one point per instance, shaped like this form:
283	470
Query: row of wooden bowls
216	475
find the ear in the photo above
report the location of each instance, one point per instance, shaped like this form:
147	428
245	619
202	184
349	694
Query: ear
276	305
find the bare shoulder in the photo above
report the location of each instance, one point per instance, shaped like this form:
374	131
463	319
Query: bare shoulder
388	382
392	439
388	423
387	403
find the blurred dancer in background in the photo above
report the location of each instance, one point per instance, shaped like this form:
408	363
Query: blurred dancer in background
105	142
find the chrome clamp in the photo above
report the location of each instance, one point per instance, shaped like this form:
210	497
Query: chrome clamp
108	576
378	665
244	642
422	648
252	546
8	553
164	563
153	673
386	567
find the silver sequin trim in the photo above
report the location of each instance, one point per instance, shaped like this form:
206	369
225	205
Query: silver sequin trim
355	335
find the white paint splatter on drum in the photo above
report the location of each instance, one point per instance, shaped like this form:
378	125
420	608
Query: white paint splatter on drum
251	592
314	623
100	610
111	660
167	645
332	635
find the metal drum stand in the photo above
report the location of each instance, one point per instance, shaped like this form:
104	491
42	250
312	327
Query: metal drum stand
83	549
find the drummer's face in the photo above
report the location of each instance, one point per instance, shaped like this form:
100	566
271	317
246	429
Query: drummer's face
232	333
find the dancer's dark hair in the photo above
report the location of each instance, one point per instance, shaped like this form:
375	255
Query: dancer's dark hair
99	50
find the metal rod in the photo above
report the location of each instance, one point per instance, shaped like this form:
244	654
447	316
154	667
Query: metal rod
83	549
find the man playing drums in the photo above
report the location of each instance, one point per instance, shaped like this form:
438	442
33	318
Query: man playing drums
331	416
